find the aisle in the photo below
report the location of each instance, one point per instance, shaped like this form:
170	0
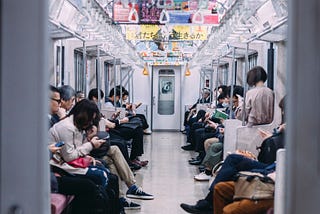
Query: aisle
168	176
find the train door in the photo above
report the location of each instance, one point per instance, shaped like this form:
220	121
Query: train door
166	99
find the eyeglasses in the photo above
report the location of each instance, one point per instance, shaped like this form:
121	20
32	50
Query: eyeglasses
58	101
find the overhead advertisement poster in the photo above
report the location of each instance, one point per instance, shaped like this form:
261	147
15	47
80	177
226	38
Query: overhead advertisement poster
166	33
165	12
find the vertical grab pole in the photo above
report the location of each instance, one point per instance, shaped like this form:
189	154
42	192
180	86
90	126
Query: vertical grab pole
244	82
114	78
120	70
232	80
60	65
217	80
84	74
98	77
201	74
132	92
211	84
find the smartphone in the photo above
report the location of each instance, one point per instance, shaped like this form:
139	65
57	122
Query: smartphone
59	144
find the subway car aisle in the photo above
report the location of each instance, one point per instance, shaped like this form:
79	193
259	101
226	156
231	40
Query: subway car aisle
168	176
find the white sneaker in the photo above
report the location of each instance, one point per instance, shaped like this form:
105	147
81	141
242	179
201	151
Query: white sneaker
202	177
147	132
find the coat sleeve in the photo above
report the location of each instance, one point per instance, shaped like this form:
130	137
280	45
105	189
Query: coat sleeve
73	147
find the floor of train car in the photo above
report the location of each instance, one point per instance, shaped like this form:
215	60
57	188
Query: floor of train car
168	175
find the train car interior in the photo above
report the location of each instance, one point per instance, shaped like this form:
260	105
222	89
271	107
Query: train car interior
159	106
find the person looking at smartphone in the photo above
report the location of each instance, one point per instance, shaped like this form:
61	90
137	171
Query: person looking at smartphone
83	189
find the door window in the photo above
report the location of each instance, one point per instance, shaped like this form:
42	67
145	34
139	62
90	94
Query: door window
166	92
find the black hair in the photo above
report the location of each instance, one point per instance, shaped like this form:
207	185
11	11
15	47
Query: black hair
237	89
114	91
125	92
221	96
85	114
54	89
223	88
94	93
255	75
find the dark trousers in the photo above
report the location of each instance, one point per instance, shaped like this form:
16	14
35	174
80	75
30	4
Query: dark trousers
84	191
191	134
137	139
200	135
231	166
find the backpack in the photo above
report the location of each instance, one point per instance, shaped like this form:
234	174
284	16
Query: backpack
107	199
268	149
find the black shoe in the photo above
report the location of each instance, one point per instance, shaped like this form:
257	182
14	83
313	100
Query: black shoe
194	159
188	147
202	207
195	162
134	166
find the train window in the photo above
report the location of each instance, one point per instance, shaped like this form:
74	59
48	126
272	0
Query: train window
79	72
59	75
225	73
166	91
253	60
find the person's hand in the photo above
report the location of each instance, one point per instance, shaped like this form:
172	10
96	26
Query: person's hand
124	120
212	124
92	132
53	148
62	113
282	127
110	124
96	142
272	175
264	134
221	130
240	100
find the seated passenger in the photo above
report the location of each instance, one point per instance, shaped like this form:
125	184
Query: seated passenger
224	204
84	190
67	100
79	96
131	111
259	100
231	166
221	101
204	99
116	130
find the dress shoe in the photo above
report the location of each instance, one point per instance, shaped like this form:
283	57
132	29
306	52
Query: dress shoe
194	159
140	163
202	207
195	162
188	147
134	166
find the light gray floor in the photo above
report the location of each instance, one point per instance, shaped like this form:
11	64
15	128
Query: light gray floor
168	176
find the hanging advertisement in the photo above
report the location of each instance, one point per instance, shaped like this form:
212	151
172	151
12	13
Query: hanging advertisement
161	33
165	12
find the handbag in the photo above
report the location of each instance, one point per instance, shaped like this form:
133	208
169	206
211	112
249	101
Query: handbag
254	186
82	162
133	123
